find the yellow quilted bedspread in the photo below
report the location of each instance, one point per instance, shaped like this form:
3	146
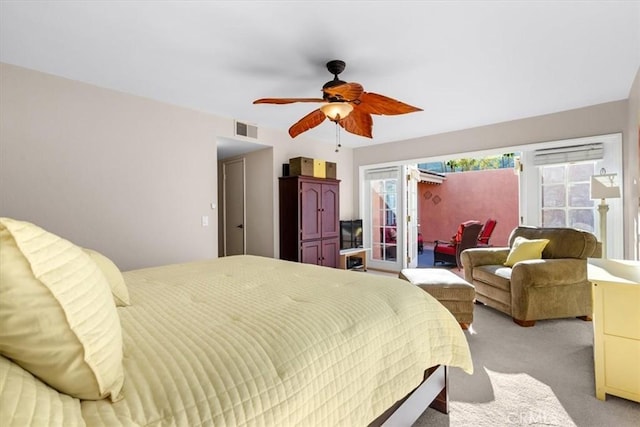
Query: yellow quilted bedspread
255	341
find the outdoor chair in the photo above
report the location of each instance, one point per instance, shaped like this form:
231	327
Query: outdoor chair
466	237
486	232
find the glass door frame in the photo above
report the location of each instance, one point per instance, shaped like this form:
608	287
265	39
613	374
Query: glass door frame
401	228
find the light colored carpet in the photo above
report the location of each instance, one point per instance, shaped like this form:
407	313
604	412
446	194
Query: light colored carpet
539	376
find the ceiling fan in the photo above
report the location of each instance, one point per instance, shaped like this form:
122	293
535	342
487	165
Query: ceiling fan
346	104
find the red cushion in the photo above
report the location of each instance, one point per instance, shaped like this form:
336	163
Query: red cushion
390	235
446	249
486	231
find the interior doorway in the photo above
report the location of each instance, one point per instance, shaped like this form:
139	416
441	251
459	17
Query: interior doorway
234	218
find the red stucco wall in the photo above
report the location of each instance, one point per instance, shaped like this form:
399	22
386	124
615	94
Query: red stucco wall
463	196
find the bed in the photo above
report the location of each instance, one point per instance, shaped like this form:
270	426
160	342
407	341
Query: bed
240	340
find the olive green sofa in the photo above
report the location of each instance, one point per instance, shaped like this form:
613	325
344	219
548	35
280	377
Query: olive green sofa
555	286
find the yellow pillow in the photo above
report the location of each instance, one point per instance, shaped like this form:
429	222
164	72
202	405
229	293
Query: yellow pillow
524	249
114	277
58	318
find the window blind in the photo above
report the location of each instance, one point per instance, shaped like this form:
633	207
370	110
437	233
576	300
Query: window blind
568	154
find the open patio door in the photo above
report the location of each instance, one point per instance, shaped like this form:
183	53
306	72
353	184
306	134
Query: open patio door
390	217
411	205
382	219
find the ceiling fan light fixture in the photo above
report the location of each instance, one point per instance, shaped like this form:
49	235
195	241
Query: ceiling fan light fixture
336	111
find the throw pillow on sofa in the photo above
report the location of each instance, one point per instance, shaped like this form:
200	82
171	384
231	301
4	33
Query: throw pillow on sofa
525	249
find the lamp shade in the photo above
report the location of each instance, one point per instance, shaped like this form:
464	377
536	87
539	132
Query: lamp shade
604	187
336	110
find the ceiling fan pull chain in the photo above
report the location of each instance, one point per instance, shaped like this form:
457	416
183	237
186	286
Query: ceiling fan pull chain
338	144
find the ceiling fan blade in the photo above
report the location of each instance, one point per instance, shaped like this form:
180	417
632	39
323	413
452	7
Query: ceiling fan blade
345	91
309	121
358	123
373	103
286	100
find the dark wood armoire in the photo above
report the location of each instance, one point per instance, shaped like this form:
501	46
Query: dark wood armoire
310	220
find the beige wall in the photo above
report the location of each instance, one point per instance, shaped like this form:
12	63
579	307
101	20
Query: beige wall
612	117
121	174
125	175
260	189
632	166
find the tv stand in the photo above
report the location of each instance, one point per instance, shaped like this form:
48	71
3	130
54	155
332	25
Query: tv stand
361	253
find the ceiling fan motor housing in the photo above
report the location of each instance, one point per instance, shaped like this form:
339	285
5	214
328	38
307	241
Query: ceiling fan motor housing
335	67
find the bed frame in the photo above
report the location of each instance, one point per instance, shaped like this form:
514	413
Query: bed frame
432	392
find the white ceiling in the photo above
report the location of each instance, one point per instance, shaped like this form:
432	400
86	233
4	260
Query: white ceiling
465	63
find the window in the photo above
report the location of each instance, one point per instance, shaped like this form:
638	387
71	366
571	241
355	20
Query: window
383	218
566	198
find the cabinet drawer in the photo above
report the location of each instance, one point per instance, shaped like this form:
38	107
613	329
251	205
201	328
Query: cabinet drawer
622	370
620	310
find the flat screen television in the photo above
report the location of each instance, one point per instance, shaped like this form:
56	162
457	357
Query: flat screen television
351	234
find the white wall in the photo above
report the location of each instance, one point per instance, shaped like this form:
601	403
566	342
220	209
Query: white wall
631	161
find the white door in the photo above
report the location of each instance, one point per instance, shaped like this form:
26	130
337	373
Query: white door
411	242
234	207
383	222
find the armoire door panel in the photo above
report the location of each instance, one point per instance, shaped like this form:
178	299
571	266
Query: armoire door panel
310	210
311	252
330	211
331	252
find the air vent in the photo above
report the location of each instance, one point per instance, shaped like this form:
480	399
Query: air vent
245	129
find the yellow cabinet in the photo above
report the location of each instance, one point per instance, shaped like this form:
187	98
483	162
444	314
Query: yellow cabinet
616	322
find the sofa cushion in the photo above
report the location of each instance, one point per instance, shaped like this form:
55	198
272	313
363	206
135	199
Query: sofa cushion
498	276
525	249
446	249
